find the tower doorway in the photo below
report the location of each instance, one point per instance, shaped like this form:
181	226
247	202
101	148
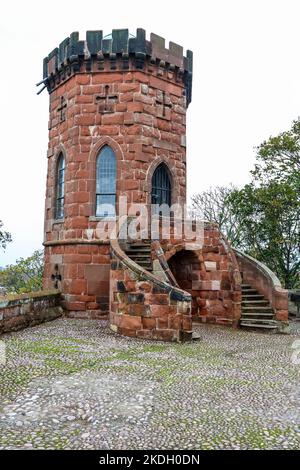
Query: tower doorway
186	268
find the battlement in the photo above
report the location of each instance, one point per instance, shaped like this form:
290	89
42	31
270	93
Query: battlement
118	52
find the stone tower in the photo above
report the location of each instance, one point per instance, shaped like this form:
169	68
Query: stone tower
117	143
120	94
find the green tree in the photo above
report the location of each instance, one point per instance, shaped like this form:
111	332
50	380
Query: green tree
270	222
25	275
276	184
278	158
5	237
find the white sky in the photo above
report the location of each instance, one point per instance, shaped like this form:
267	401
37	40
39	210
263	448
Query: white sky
246	87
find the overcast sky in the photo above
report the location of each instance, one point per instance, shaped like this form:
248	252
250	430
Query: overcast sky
246	87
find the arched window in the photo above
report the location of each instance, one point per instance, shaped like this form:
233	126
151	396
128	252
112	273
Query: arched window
161	186
106	183
60	187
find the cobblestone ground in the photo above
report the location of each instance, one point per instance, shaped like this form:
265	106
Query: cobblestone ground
73	384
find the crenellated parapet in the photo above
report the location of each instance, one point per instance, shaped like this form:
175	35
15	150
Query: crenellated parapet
118	51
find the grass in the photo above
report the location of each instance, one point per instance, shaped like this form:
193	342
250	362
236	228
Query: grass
47	347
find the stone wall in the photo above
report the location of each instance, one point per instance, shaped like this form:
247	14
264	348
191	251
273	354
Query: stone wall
20	311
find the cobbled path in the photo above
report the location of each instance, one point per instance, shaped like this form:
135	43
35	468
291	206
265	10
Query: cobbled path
73	384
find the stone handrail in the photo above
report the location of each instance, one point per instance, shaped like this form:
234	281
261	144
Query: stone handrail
235	269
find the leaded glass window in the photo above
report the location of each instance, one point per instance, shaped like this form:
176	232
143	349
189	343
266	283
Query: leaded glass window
60	187
106	183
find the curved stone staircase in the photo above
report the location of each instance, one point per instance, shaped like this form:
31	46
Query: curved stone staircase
256	310
147	302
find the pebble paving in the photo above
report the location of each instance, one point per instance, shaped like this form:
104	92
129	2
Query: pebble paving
74	384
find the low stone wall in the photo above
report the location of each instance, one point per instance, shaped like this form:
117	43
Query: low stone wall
20	311
143	306
265	281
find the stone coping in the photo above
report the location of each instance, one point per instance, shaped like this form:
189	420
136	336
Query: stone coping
262	268
8	300
231	254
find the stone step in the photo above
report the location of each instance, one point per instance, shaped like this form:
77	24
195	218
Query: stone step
254	303
257	314
258	308
145	260
140	250
142	254
144	264
140	245
249	292
260	320
253	297
258	325
246	286
139	255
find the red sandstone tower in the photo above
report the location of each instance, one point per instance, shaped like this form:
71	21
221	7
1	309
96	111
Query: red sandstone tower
121	93
117	128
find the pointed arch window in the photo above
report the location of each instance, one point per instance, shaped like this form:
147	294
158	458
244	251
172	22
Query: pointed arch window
106	174
161	186
60	187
